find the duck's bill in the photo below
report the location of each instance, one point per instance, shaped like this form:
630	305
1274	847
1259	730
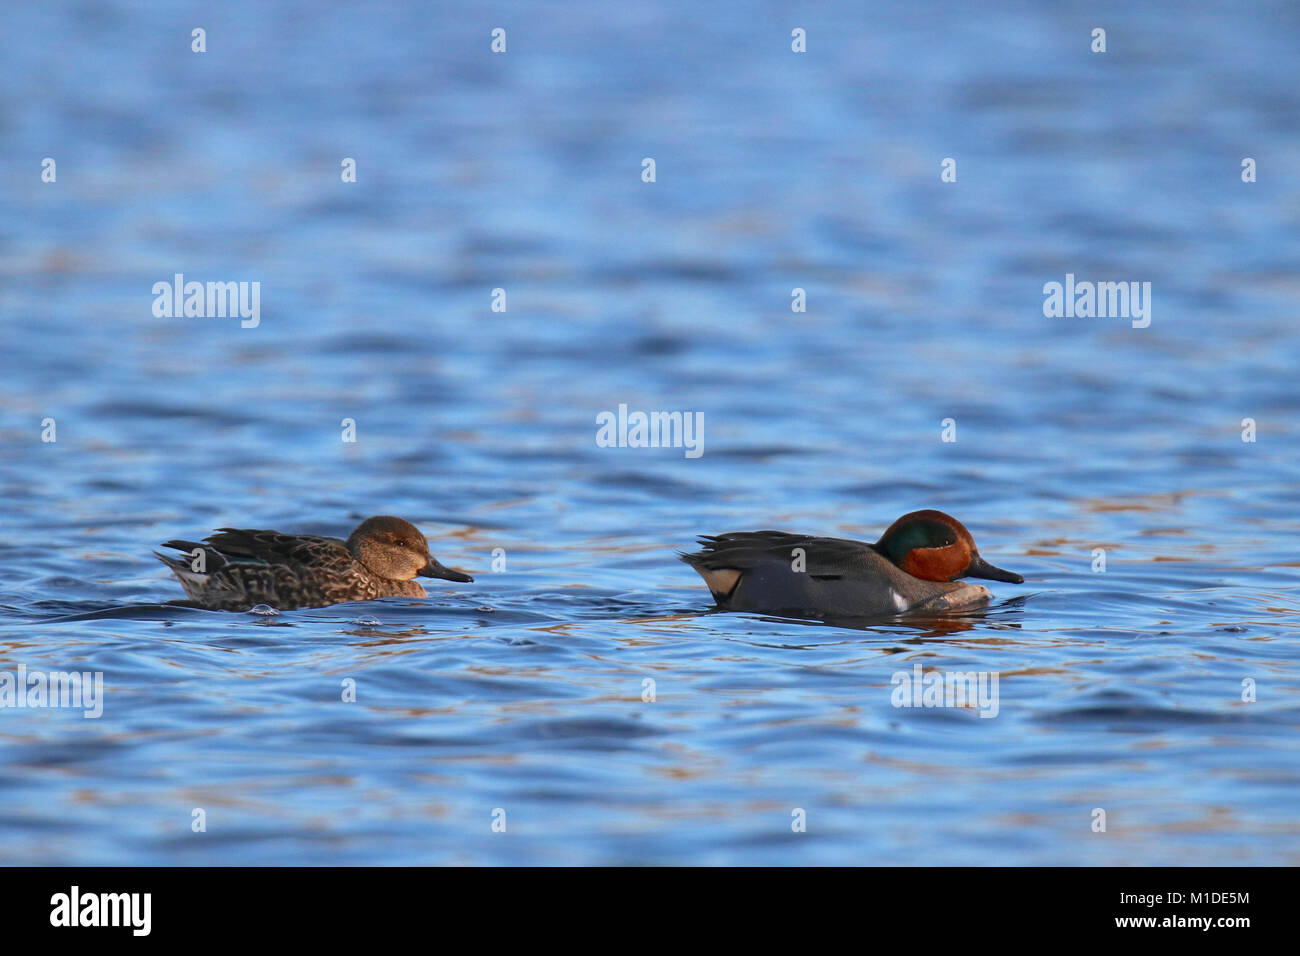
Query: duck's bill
979	568
435	570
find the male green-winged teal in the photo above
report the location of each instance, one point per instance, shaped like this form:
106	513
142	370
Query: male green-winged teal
242	568
913	567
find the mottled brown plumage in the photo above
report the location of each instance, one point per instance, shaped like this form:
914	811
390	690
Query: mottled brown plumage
236	569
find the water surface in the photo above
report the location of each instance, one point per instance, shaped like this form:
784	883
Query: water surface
1119	689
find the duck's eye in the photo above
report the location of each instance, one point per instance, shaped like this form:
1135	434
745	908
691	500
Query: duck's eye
400	542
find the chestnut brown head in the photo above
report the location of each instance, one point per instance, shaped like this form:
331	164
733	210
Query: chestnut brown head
934	546
395	549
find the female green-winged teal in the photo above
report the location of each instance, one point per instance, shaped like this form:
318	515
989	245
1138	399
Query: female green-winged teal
913	567
242	568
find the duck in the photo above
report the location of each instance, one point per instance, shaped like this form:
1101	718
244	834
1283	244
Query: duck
237	569
914	567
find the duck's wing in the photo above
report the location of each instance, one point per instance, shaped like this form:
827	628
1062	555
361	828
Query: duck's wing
820	557
247	545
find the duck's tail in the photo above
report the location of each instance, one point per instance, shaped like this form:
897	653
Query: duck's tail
721	581
194	567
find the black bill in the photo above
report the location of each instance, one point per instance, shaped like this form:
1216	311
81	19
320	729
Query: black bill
435	570
979	568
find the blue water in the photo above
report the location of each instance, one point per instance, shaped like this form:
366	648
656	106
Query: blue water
1120	690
